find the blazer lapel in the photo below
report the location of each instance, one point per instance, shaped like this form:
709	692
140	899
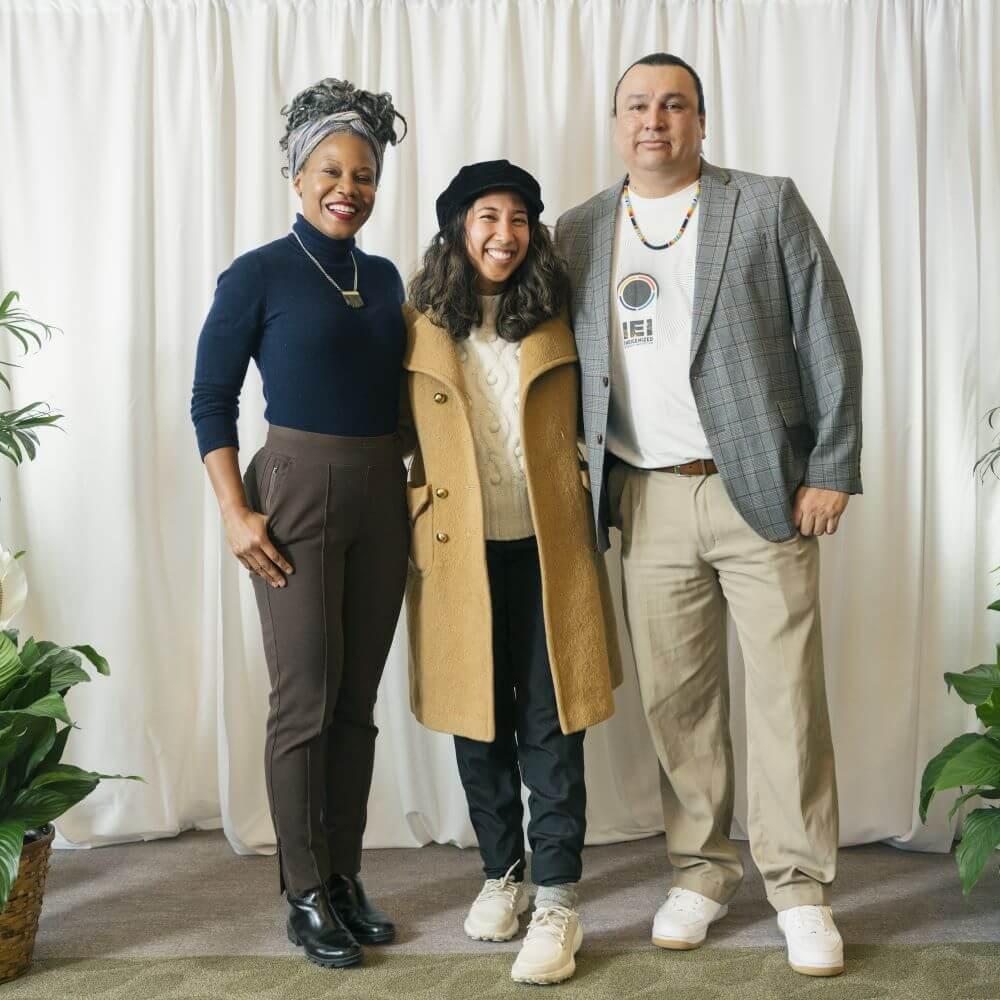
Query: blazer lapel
602	240
715	226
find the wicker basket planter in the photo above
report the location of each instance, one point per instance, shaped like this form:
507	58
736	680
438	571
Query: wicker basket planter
19	919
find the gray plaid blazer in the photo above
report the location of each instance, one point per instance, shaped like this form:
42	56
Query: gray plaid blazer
775	352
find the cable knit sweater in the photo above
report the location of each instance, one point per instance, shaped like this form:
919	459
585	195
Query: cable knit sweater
492	379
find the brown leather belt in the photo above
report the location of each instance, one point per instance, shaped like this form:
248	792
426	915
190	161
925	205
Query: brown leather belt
699	467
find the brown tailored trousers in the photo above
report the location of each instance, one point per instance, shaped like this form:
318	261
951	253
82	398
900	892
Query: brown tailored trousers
337	512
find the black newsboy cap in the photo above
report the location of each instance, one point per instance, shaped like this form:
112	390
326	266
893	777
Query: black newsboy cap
490	175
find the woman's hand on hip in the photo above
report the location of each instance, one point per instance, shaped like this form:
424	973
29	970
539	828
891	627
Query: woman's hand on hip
246	531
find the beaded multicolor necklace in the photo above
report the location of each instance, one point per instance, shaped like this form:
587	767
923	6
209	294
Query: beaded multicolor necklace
680	232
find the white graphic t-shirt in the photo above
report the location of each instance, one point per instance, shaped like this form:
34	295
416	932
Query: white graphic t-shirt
653	420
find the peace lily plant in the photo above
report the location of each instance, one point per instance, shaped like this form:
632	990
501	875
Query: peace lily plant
971	762
13	588
35	786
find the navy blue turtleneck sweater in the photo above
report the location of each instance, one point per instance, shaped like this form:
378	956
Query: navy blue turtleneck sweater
325	366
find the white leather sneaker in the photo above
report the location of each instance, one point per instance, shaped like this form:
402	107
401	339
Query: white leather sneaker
815	947
682	922
550	946
494	915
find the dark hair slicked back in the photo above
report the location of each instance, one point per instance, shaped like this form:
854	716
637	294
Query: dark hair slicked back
661	59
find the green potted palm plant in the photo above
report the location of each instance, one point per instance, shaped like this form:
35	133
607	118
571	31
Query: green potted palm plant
35	676
18	428
970	763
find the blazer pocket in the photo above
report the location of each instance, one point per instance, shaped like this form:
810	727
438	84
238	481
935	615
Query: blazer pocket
421	509
793	412
802	439
800	434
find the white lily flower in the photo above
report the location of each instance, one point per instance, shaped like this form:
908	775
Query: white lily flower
13	588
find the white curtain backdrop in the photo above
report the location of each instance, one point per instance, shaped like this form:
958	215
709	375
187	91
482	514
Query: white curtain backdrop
139	155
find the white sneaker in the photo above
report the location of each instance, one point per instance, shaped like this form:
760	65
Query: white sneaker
553	939
494	915
815	947
682	921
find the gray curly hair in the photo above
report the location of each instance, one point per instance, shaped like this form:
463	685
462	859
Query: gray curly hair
337	106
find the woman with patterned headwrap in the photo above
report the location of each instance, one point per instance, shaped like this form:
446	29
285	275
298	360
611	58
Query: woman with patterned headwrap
319	518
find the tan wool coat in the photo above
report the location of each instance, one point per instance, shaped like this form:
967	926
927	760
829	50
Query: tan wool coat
448	597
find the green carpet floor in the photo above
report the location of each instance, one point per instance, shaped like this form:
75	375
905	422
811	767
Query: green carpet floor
913	972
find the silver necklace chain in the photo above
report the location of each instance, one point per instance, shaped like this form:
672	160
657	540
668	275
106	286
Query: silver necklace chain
351	296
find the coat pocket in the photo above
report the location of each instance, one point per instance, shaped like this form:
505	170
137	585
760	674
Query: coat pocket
421	510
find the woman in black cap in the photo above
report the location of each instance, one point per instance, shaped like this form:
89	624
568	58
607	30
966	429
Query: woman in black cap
325	496
507	599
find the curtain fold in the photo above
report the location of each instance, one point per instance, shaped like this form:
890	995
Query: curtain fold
141	155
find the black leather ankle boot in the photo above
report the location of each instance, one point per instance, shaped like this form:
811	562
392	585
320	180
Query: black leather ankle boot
367	924
315	927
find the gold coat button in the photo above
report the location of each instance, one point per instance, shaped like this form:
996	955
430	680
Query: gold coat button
441	536
441	492
440	397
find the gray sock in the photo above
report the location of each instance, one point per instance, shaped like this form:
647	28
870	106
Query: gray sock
557	895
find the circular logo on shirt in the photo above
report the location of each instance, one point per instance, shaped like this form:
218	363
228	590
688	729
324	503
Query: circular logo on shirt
637	291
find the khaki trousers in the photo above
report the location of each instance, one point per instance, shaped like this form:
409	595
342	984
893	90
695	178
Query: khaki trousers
687	555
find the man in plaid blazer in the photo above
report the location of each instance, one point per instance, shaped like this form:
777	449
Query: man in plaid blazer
721	370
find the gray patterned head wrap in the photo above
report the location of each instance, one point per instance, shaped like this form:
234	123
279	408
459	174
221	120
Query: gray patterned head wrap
303	140
333	105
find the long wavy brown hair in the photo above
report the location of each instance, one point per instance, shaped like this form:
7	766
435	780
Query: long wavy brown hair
445	286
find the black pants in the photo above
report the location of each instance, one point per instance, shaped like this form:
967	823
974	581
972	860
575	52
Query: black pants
338	513
529	743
